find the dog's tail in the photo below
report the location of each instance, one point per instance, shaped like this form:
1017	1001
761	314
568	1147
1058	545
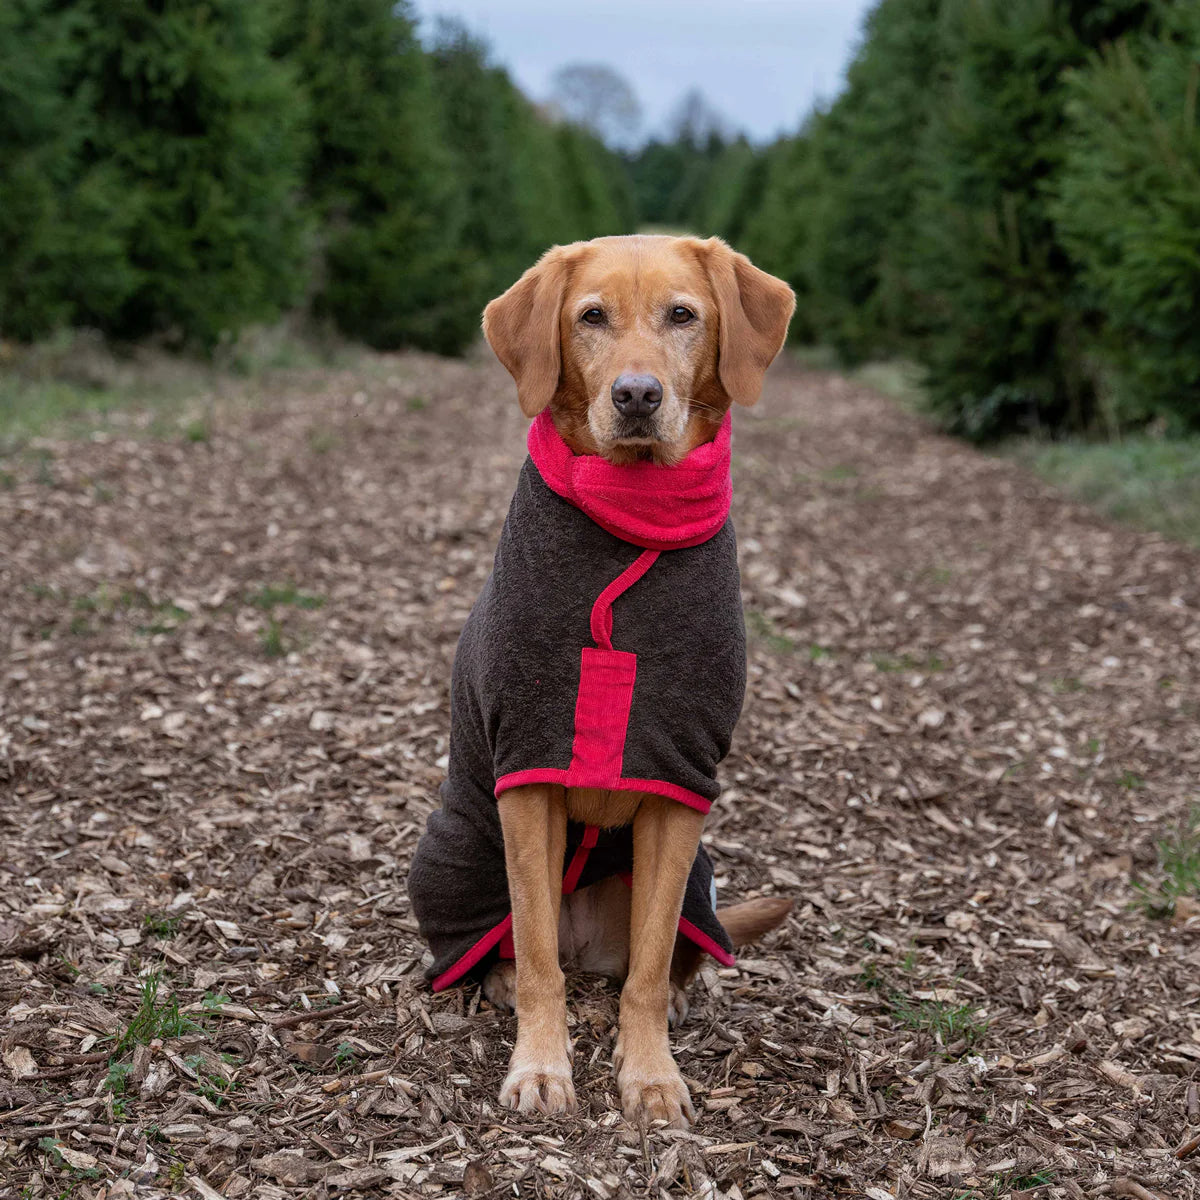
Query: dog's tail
749	920
744	922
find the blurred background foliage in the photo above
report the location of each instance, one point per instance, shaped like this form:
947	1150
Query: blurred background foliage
1006	192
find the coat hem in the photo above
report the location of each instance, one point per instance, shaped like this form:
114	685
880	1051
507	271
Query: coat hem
494	936
701	939
570	778
456	970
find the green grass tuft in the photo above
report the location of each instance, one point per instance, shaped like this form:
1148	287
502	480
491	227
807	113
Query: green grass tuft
939	576
271	595
50	1146
105	603
1010	1182
30	407
1066	685
840	471
155	1018
118	1074
322	441
273	645
870	977
217	1089
1178	869
198	430
947	1023
73	382
160	926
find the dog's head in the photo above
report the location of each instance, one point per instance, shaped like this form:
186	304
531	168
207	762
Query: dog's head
639	344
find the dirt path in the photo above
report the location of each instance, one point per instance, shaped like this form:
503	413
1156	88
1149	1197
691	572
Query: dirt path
973	711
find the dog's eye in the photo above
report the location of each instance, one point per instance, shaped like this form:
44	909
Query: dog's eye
681	315
593	316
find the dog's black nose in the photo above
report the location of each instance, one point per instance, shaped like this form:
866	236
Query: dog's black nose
636	395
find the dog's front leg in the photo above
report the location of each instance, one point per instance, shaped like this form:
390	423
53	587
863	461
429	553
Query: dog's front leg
534	820
665	836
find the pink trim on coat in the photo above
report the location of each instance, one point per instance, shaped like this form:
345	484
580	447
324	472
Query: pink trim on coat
454	973
656	787
705	943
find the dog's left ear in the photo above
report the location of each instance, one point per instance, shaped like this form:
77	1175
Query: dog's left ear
522	328
754	310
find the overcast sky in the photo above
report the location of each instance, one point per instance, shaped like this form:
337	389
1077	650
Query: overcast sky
761	63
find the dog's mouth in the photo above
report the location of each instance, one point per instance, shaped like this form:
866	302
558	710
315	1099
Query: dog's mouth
636	446
636	431
637	437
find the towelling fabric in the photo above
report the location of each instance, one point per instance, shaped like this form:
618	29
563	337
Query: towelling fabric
607	650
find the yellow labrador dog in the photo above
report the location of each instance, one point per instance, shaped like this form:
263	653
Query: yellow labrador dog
600	675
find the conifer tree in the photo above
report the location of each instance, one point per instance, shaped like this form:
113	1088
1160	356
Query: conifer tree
734	189
592	178
778	233
41	138
1128	208
197	136
1006	341
529	182
393	268
862	208
486	122
149	161
655	171
982	200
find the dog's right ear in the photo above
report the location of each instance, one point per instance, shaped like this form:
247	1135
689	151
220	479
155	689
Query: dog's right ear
522	328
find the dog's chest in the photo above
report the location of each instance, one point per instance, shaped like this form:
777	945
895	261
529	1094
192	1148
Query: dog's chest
603	807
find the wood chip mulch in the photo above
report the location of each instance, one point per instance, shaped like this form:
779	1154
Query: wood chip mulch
973	713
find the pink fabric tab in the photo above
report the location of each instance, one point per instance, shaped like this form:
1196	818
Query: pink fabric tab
601	620
606	679
591	834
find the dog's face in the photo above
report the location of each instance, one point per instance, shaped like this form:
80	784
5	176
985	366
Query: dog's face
639	344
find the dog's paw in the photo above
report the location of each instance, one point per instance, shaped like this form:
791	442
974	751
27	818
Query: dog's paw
677	1005
651	1087
656	1095
500	985
538	1087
